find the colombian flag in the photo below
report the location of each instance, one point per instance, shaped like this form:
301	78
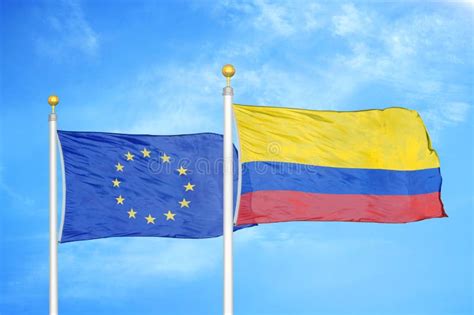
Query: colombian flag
308	165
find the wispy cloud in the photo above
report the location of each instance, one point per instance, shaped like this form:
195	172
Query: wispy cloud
443	115
87	268
175	98
16	197
69	32
275	18
131	262
411	55
411	63
457	111
351	21
313	250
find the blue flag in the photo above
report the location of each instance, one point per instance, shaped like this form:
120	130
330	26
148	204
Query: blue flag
142	185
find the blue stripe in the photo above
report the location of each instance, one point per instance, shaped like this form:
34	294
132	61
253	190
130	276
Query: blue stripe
258	176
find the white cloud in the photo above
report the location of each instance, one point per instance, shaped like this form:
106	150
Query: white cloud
182	98
275	18
273	85
112	268
351	21
22	199
16	197
131	262
69	32
285	235
412	55
409	55
457	111
162	99
442	115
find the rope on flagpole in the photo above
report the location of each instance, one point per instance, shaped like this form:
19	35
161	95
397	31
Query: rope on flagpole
228	71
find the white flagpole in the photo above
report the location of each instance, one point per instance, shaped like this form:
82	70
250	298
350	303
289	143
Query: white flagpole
228	71
53	100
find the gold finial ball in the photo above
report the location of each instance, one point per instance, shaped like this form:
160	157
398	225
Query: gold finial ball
53	100
228	71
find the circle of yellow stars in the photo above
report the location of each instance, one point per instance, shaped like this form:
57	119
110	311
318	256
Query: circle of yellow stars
145	153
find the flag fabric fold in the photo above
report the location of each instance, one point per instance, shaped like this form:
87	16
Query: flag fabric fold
307	165
142	185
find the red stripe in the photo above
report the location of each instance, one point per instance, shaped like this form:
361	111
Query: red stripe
279	206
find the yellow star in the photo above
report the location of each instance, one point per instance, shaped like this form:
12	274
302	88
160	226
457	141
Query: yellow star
182	171
119	167
189	186
129	156
184	203
169	215
131	214
120	200
150	219
116	182
145	152
165	158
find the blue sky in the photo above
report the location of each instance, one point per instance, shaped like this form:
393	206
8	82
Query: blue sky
154	67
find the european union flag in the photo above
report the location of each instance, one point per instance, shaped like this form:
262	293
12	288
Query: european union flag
142	185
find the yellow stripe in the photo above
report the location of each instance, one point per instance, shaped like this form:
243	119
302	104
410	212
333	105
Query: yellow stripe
392	138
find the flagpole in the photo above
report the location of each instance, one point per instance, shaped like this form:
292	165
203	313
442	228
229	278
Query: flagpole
53	100
228	93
